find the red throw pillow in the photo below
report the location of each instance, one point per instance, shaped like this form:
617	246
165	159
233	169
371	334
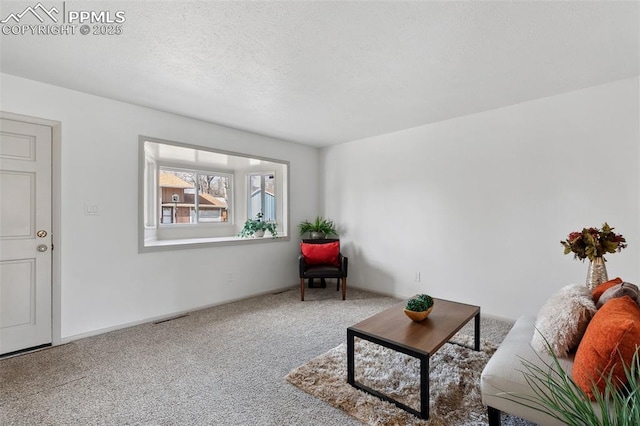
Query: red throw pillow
321	254
608	345
597	292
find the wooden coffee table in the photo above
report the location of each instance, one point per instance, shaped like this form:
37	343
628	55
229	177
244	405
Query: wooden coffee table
391	328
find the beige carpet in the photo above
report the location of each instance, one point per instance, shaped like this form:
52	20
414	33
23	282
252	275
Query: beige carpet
454	381
218	366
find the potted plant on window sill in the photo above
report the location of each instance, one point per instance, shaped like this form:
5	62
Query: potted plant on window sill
255	228
321	228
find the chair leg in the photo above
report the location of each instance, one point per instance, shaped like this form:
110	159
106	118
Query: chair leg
494	416
302	289
344	287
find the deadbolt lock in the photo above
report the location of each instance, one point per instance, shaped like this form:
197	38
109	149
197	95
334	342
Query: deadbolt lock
41	233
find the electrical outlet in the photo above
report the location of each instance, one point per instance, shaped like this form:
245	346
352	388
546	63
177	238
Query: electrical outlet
417	277
91	209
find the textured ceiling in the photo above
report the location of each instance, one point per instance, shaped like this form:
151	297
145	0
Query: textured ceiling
321	73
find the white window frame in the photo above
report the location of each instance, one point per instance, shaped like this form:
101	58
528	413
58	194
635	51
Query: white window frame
154	153
199	171
263	189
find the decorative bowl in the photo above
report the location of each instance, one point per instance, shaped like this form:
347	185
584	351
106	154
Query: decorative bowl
418	316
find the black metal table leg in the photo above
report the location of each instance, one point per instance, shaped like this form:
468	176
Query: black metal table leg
423	413
350	360
424	386
477	331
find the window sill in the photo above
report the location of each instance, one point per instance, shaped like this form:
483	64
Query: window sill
190	243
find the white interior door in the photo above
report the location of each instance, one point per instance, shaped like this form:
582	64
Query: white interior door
25	235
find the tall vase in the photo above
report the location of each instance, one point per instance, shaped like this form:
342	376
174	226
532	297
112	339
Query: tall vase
597	273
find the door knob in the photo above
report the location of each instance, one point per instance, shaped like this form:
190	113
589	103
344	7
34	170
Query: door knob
42	247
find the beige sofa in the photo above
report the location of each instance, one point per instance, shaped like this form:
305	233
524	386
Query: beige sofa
503	373
576	323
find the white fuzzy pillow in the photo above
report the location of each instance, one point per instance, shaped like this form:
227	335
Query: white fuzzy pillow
563	319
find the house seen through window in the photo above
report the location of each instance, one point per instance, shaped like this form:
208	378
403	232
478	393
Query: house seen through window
179	203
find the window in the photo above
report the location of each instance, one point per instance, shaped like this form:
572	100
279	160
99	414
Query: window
178	189
189	195
262	196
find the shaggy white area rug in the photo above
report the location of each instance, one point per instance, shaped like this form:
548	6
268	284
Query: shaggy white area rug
454	383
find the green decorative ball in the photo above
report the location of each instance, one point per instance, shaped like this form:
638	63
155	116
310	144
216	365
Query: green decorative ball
419	303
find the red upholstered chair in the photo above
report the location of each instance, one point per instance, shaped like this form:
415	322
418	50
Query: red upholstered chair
321	258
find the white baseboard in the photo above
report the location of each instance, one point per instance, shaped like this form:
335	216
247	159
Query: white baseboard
404	297
165	317
184	312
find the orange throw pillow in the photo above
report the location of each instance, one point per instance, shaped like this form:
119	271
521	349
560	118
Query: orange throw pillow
597	292
321	254
608	345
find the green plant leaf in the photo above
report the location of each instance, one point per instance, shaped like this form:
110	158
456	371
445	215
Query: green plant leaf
321	225
556	394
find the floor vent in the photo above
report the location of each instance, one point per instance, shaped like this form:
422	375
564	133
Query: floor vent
171	319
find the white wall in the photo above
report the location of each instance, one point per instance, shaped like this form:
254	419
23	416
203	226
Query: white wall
105	282
478	205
